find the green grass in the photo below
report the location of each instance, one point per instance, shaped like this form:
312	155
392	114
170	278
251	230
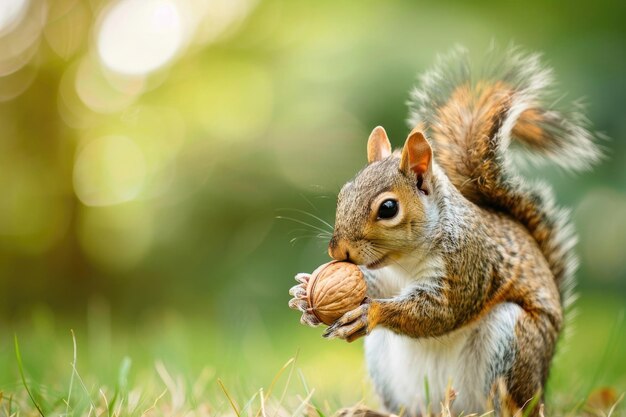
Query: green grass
165	364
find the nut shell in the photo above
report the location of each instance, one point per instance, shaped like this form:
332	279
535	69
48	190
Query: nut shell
334	289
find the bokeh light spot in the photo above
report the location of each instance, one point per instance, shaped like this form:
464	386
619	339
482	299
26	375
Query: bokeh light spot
11	13
109	170
20	34
140	36
67	27
97	93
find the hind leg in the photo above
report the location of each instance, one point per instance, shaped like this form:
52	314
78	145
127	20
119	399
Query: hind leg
535	336
512	350
488	356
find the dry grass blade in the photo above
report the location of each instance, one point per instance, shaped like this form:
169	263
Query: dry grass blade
69	391
153	406
449	397
233	404
277	376
104	398
117	412
248	404
529	405
282	396
612	410
303	404
175	387
82	384
262	399
273	383
201	383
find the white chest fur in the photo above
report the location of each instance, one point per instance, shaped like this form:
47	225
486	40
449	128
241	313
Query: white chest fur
395	279
399	365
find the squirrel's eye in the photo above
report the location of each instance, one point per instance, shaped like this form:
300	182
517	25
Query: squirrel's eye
388	209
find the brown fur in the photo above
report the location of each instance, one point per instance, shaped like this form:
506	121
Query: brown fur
492	259
501	252
501	241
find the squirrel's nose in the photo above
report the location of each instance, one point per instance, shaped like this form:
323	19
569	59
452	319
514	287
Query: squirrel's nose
339	250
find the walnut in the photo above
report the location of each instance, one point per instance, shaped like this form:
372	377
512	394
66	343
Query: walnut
334	289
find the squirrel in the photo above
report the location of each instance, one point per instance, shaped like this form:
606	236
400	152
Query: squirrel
469	267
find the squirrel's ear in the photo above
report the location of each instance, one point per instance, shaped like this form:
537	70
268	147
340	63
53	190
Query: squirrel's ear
416	154
378	145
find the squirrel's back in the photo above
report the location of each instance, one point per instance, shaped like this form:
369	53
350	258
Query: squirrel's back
471	120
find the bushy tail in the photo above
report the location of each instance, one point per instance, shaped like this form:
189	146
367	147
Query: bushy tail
471	119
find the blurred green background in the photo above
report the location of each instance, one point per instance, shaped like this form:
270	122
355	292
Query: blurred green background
147	147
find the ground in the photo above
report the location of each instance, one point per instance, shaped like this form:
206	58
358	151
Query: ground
167	365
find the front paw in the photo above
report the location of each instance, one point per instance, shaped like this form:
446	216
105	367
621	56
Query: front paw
350	326
299	301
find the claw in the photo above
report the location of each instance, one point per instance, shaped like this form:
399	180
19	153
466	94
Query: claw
298	291
350	326
329	333
356	335
309	319
298	304
349	332
303	277
352	315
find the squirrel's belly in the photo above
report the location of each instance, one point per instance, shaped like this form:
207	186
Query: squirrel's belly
400	366
468	359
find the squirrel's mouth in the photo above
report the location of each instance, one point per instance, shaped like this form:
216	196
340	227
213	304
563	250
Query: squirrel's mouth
377	264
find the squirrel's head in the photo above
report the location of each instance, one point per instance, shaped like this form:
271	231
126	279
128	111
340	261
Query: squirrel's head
386	211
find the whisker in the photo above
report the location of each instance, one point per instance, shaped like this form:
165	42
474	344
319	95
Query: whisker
295	239
310	215
305	198
303	223
317	235
298	231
